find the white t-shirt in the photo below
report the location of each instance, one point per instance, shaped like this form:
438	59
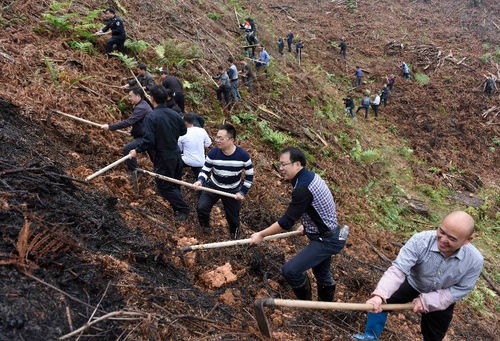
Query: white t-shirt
376	101
193	146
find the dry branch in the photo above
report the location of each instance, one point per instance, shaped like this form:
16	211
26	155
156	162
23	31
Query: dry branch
102	318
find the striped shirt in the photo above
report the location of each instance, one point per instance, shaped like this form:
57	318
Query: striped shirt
441	280
225	171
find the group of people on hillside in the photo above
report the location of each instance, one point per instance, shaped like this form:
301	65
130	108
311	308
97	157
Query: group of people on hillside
367	102
434	269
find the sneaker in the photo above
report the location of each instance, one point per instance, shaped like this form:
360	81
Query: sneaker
181	216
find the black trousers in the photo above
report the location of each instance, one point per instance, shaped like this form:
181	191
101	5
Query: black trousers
171	167
180	100
223	90
433	325
118	41
231	209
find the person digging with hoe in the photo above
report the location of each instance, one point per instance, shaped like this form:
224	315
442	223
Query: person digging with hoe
312	202
434	269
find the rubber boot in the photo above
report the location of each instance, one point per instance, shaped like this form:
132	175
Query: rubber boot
304	292
205	225
374	326
326	292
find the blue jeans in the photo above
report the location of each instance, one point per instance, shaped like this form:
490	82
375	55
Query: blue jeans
358	81
234	90
349	109
318	256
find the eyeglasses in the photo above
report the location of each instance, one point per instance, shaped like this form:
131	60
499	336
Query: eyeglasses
283	164
221	138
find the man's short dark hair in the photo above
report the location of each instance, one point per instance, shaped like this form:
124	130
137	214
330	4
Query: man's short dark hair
137	91
110	10
231	131
159	94
230	59
189	118
142	67
220	67
295	155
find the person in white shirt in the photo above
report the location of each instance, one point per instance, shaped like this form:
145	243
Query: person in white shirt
193	144
375	104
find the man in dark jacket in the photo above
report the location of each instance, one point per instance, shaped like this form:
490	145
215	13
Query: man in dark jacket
145	78
141	109
289	40
162	128
118	35
313	203
343	48
171	82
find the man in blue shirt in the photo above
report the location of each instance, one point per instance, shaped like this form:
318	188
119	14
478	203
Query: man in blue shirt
359	76
312	202
434	269
263	60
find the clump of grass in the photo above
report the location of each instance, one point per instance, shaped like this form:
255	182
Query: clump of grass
214	16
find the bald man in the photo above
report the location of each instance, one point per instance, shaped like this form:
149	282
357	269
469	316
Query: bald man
434	269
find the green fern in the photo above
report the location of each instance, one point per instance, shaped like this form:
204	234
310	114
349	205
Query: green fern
128	61
178	54
86	46
136	46
277	138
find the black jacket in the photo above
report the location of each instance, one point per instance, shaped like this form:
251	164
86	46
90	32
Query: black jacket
135	120
116	26
173	84
162	128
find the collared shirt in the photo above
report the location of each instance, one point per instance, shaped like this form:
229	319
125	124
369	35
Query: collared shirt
427	269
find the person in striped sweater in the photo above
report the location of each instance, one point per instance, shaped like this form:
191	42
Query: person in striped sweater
227	168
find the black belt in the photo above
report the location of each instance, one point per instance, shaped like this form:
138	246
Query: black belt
323	234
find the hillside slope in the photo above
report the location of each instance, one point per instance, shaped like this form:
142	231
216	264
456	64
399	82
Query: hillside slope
106	246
